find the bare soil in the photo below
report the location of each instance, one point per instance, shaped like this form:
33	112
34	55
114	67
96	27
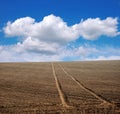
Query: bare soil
60	88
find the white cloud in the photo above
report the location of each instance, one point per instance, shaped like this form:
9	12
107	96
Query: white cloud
108	58
54	29
20	27
16	53
36	46
47	40
93	28
92	53
50	29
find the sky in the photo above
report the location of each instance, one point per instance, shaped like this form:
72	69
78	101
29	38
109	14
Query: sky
59	30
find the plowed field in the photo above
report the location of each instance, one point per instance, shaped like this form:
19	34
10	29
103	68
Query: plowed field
60	88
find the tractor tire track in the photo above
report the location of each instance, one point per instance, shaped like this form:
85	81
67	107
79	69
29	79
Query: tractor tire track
101	98
63	97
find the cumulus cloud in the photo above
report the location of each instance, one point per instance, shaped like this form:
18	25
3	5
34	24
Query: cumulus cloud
50	29
47	40
34	45
20	27
93	28
53	28
16	53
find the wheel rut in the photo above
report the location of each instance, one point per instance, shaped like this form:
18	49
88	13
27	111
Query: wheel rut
63	97
101	98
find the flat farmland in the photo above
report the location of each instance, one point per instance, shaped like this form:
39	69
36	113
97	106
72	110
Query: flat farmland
60	88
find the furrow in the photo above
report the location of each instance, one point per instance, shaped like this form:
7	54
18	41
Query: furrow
101	98
63	98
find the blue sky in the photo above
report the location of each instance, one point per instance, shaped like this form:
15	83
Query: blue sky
57	30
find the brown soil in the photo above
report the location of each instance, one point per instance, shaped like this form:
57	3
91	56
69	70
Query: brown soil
60	88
